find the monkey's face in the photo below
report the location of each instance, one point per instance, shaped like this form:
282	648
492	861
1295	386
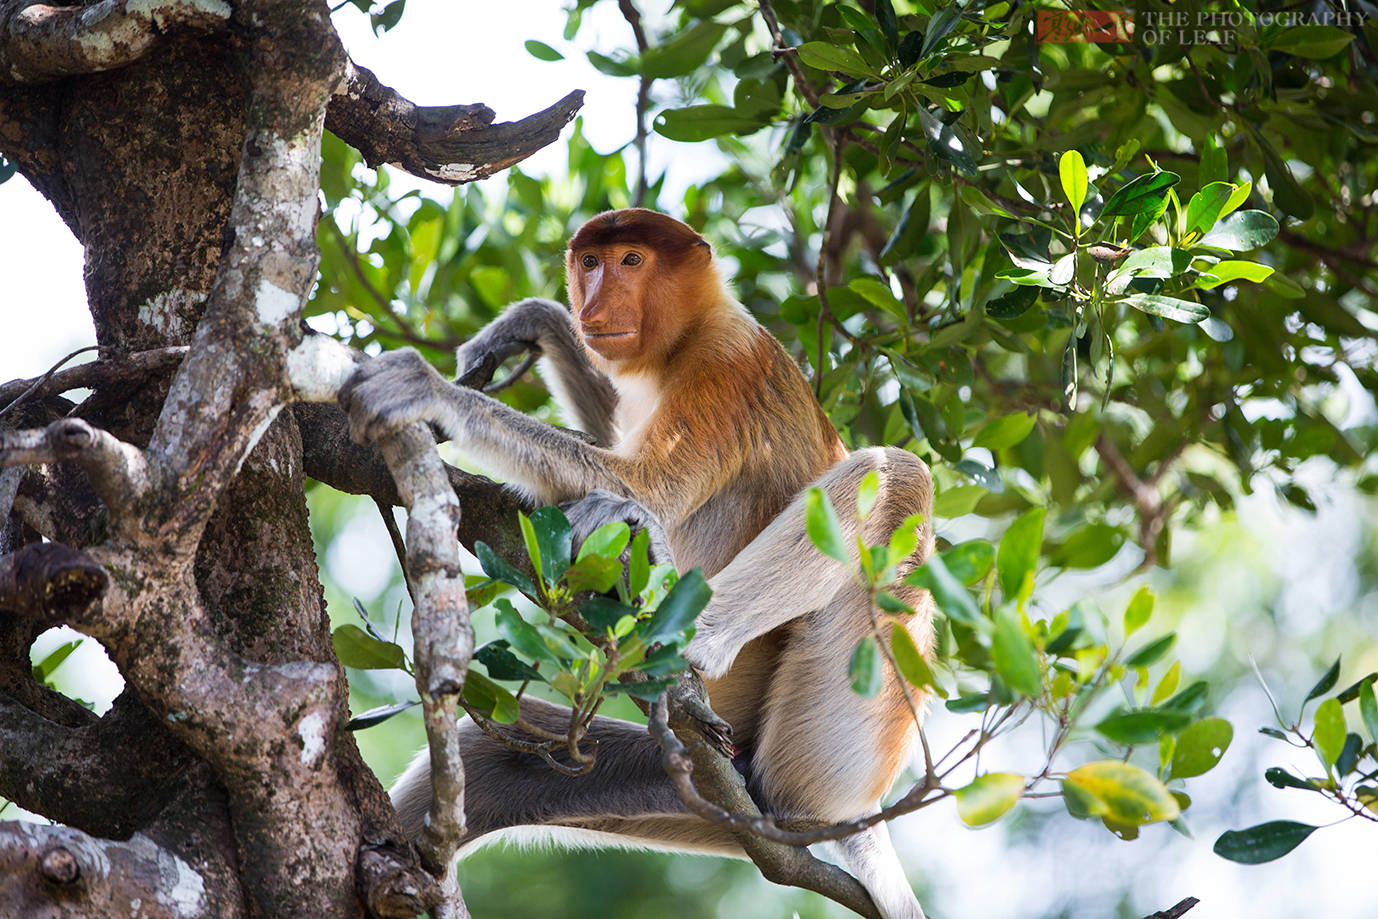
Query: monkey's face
610	287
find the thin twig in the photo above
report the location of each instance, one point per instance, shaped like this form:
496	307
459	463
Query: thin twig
38	384
498	385
821	269
643	99
779	49
398	546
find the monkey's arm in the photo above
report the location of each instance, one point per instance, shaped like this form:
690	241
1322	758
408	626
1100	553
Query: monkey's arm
399	388
586	397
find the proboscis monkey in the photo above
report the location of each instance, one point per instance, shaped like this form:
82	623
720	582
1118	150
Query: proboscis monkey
700	418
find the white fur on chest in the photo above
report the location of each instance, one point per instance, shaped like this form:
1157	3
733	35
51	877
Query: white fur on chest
638	397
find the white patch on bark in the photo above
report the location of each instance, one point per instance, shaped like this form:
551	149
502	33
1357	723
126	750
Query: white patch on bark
429	510
312	734
455	172
318	367
172	12
259	431
161	312
273	303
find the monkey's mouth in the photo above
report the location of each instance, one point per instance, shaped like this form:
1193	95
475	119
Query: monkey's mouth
608	336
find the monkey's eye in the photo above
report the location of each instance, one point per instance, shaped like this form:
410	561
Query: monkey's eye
590	261
631	258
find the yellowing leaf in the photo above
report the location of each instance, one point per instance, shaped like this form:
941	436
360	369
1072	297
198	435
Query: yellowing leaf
989	797
1130	794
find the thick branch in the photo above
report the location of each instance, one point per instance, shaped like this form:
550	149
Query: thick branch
444	638
119	471
43	866
130	368
85	776
449	143
727	802
39	43
329	456
50	582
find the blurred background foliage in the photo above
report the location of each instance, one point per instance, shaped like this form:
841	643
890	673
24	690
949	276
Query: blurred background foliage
1227	462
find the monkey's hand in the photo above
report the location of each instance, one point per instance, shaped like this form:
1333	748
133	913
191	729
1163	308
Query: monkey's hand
599	507
531	325
392	390
689	697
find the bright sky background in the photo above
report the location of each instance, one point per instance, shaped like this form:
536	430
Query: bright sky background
447	52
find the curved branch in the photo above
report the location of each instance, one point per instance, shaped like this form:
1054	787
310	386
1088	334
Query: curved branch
40	43
119	471
453	144
731	806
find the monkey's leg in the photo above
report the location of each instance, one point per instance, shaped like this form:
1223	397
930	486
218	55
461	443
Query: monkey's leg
625	800
781	575
586	397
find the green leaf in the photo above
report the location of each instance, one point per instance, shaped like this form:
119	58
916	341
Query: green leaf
499	570
942	23
1088	546
949	593
970	561
1368	709
501	664
1325	684
1005	432
1205	207
1019	549
1013	654
1142	725
1214	161
1080	803
1316	42
613	67
989	797
378	715
542	52
1071	170
1141	195
1242	231
1262	843
680	607
889	26
604	613
490	698
1330	730
1233	270
684	53
822	525
639	563
958	500
825	56
555	538
1168	307
951	142
360	650
593	572
1167	684
866	493
1152	651
704	122
864	670
53	659
521	635
1281	778
911	663
1131	795
607	541
1137	613
1200	747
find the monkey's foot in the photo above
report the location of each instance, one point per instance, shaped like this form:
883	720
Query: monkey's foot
688	696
